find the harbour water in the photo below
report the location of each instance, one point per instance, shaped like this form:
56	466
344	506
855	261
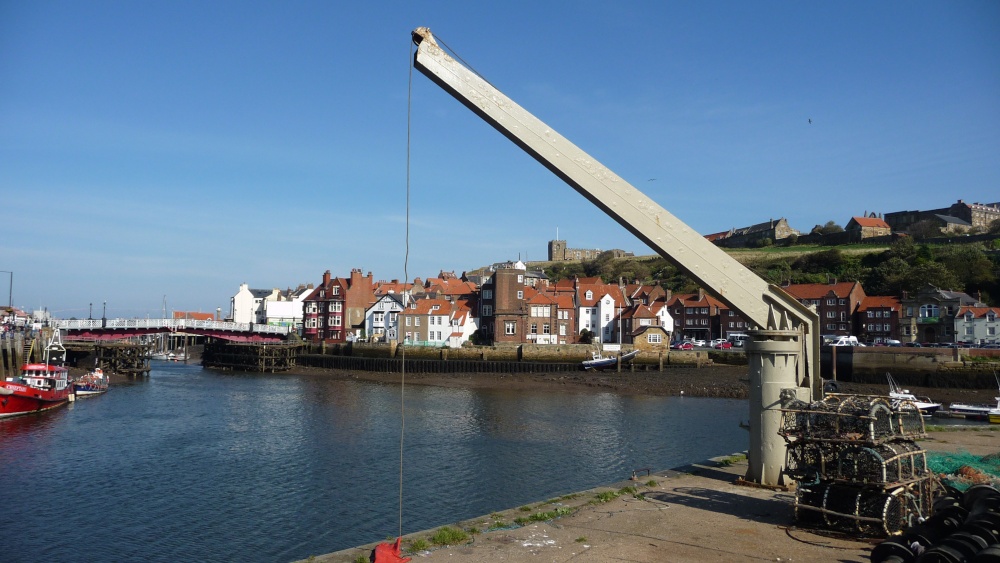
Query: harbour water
196	465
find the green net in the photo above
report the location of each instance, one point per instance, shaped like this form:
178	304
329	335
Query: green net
963	470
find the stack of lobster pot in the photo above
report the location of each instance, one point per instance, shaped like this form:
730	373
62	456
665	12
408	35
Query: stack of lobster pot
857	465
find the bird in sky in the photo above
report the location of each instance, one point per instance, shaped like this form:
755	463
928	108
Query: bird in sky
810	121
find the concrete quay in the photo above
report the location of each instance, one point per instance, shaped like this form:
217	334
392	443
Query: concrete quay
693	513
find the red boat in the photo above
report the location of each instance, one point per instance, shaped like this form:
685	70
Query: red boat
41	387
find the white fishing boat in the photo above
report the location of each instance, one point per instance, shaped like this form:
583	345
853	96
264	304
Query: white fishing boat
979	411
926	406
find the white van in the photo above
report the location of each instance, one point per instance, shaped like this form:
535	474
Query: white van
846	341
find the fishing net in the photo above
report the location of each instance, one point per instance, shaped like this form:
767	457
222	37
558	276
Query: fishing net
963	470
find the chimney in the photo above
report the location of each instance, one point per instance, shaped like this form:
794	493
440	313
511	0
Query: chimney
701	294
326	278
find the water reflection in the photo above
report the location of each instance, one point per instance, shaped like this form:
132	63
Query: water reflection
171	466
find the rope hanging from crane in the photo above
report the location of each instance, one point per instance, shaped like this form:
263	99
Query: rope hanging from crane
386	552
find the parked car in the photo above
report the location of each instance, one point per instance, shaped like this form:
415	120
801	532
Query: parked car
682	346
716	341
913	345
697	342
723	345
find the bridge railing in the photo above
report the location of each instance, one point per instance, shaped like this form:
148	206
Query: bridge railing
170	324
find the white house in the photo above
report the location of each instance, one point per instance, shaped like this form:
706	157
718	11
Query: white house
247	305
978	325
382	318
463	324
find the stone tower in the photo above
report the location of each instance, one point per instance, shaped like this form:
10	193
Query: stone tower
557	250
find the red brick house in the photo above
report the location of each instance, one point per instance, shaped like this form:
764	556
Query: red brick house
878	319
836	303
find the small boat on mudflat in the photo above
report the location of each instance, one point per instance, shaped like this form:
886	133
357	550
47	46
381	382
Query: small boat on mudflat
600	362
93	383
971	411
926	406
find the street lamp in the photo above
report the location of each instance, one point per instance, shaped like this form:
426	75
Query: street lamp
90	315
10	292
218	313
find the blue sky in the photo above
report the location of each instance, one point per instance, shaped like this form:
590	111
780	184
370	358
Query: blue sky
178	149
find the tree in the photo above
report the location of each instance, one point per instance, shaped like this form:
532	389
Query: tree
969	263
829	228
933	273
586	337
924	229
994	226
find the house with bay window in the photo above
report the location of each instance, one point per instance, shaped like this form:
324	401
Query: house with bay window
977	326
930	315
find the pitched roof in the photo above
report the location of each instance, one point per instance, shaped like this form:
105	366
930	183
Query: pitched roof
870	222
819	290
879	301
978	312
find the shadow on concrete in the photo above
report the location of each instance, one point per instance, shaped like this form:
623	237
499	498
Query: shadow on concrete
776	510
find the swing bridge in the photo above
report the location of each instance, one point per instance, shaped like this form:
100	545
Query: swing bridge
118	329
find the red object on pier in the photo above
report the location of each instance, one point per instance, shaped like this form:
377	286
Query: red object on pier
389	553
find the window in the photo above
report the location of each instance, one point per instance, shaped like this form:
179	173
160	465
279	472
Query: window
991	331
510	327
487	310
909	311
968	331
732	313
335	321
378	318
968	317
409	336
311	323
654	338
336	306
408	321
831	326
520	295
831	315
704	322
487	294
704	310
871	314
842	302
416	321
546	329
831	301
886	328
562	330
607	317
589	295
645	322
311	308
990	317
534	328
520	278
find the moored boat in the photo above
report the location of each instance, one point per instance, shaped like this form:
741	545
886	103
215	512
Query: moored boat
977	411
93	383
41	387
989	413
600	362
925	405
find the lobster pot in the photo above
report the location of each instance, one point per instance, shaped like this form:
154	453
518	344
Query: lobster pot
882	464
908	421
870	511
809	462
851	418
